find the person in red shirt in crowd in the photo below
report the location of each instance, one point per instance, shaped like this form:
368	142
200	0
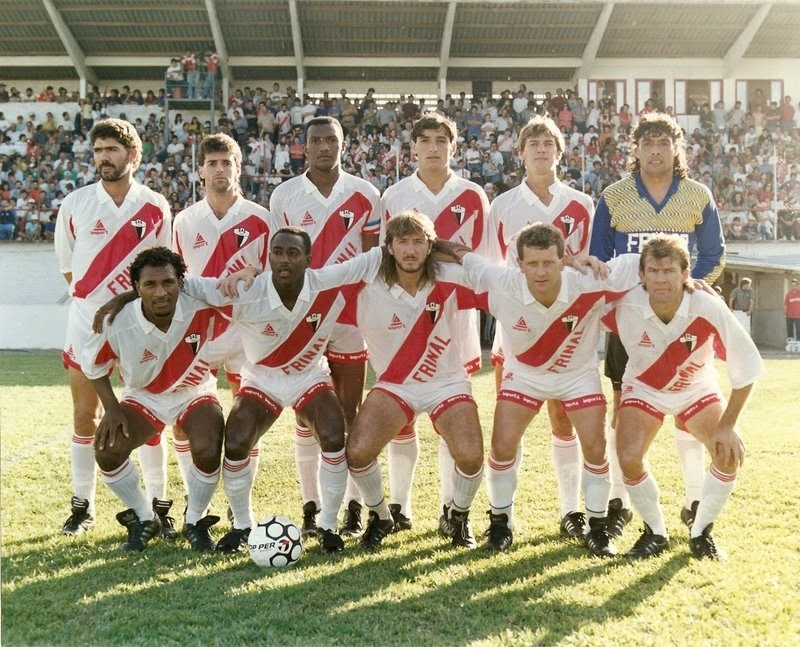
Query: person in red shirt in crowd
791	307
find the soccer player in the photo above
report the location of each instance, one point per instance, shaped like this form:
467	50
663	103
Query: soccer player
672	334
409	318
550	320
541	197
340	213
160	345
100	230
286	319
459	210
221	234
657	197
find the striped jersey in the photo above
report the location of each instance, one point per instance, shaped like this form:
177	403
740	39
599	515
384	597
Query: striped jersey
152	360
627	216
335	224
96	241
675	356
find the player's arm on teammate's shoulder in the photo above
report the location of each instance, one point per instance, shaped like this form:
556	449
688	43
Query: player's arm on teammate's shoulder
111	309
229	285
446	251
584	262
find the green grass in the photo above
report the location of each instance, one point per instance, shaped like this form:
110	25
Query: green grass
416	590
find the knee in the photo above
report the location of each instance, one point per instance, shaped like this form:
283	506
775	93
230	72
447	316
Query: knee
630	462
109	459
238	444
357	453
331	437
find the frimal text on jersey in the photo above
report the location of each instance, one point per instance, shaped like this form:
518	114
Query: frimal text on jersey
308	357
195	375
120	283
564	357
685	375
427	369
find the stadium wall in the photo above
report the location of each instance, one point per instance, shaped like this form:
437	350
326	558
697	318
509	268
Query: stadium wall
33	297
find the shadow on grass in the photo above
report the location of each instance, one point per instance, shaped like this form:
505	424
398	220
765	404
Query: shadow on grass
416	590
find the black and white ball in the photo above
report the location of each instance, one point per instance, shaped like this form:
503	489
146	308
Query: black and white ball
275	542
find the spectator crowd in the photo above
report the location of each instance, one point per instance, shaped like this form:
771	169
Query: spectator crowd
748	156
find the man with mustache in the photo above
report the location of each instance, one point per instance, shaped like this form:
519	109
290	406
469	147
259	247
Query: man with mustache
100	230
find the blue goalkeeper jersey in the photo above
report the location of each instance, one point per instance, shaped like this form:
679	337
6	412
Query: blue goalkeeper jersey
626	216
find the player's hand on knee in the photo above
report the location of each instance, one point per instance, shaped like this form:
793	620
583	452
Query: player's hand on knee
728	450
113	422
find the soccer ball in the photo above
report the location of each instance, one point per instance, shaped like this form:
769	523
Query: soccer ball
275	542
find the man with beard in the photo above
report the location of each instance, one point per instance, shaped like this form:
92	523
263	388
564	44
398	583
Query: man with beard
100	230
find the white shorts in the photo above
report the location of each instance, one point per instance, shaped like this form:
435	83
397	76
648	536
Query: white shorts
79	329
469	343
227	351
276	391
682	405
433	398
576	389
169	408
346	345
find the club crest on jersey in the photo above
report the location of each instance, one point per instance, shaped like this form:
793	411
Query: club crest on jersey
314	320
140	227
241	236
690	341
193	339
348	217
434	310
570	321
459	212
568	223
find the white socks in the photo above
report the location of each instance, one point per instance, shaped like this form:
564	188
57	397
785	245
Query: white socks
644	493
153	461
238	477
307	460
332	482
566	456
83	469
717	490
124	482
692	454
200	489
370	483
403	452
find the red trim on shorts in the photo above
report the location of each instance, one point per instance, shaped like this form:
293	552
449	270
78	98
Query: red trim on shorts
203	399
403	404
267	402
311	393
443	406
521	399
359	357
696	408
148	415
234	379
583	402
643	406
67	361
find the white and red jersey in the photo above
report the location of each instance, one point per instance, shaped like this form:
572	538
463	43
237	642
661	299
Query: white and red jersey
291	341
335	224
557	339
215	247
151	360
96	241
459	212
679	355
413	339
570	211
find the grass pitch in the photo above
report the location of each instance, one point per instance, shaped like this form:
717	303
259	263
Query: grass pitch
416	590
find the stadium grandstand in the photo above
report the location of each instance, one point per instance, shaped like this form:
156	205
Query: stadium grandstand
726	70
